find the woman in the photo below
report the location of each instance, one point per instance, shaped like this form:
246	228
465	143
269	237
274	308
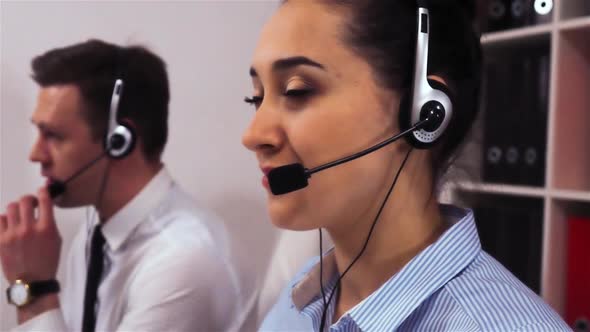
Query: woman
329	76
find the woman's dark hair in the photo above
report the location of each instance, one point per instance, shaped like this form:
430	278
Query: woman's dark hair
384	33
93	66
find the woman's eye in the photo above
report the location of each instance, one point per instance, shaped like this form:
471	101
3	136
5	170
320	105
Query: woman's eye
297	92
254	100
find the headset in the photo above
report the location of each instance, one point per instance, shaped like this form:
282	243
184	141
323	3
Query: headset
119	141
425	113
427	98
120	138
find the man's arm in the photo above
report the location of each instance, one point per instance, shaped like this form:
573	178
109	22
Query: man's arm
37	307
29	249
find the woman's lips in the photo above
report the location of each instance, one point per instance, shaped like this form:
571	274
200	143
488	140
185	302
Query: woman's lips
265	171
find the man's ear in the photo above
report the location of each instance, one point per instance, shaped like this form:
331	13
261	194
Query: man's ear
129	123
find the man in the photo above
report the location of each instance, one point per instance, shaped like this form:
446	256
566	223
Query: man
150	260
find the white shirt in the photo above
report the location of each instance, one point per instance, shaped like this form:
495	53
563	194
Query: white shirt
166	269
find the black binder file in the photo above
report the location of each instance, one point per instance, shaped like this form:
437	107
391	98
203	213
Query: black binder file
513	234
513	14
515	118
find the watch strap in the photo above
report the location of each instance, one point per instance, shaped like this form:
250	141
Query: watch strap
38	288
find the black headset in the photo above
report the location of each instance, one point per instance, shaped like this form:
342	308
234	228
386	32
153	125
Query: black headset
120	138
427	97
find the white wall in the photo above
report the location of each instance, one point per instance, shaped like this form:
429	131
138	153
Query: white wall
207	46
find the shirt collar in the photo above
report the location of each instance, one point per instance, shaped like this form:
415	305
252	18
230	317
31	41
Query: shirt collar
426	273
307	290
121	224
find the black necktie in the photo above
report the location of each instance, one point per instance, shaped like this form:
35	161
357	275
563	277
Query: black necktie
92	280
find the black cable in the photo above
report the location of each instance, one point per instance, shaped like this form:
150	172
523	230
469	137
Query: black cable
322	270
325	309
419	125
87	166
102	188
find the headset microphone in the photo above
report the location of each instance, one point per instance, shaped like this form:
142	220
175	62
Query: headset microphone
118	143
292	177
57	188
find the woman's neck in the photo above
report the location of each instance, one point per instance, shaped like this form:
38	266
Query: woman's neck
410	222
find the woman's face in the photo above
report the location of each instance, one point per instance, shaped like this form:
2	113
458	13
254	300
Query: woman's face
317	101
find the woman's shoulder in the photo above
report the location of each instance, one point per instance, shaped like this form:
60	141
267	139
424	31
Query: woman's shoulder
305	269
493	297
284	314
298	278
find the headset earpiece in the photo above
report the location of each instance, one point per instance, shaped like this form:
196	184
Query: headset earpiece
437	85
437	108
121	142
120	139
427	98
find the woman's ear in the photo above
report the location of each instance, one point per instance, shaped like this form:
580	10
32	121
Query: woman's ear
441	79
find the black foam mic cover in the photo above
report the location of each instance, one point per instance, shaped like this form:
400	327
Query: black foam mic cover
288	178
56	188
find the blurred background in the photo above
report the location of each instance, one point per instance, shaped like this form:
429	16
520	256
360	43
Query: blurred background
525	172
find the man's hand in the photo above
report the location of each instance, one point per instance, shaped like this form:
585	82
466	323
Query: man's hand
29	245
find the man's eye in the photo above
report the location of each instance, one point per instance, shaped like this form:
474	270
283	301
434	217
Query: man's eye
51	135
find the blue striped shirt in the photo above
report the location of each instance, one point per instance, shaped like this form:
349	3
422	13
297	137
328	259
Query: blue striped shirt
452	285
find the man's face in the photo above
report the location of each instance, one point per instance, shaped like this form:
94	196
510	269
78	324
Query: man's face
65	144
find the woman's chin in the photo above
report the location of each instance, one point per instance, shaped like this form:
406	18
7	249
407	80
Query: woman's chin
288	215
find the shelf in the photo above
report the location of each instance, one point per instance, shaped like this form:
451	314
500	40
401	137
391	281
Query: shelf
570	195
508	189
554	255
516	35
570	135
566	189
503	189
525	191
576	23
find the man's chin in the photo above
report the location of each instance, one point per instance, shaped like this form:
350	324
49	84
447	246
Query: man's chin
63	202
60	202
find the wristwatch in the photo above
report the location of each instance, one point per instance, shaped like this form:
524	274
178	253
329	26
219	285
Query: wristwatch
21	293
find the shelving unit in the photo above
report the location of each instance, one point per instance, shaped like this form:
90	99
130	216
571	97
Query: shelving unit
566	189
516	35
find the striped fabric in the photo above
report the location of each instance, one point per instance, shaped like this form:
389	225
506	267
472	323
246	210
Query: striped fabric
452	285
